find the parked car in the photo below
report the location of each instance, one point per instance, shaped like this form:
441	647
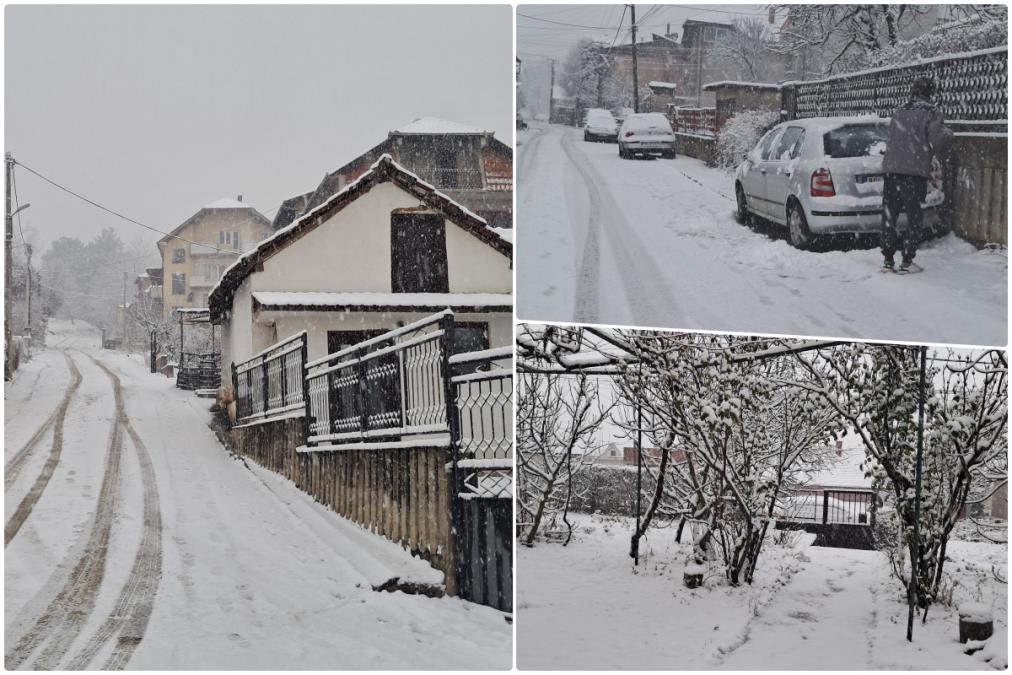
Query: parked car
646	134
600	125
821	176
621	113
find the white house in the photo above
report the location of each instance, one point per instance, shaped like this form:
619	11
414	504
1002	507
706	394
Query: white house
386	250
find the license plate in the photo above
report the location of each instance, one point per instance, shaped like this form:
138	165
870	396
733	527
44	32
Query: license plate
871	178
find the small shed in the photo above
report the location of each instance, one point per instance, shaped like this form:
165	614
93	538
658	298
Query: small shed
733	96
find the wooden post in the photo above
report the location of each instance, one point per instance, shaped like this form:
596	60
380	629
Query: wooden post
363	392
447	324
825	506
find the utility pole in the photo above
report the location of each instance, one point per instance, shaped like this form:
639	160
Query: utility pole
636	74
8	269
551	94
124	310
28	254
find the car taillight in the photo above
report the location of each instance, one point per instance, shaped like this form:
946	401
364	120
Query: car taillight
822	183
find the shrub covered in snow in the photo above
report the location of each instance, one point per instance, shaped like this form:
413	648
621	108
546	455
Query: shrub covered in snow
737	138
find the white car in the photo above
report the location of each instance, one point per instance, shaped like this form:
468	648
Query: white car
600	125
646	134
822	175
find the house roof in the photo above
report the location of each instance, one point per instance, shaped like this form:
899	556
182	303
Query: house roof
385	169
740	85
434	125
383	302
227	203
290	210
843	471
662	85
219	205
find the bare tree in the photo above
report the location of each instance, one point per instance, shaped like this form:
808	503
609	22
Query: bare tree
747	50
876	390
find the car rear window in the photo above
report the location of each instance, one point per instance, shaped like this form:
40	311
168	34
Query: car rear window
856	140
658	122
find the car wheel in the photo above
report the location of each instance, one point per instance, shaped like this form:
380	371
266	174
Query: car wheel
668	154
742	215
622	153
797	225
586	137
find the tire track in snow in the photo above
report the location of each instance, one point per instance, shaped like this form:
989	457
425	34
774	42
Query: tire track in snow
132	611
13	467
650	299
59	624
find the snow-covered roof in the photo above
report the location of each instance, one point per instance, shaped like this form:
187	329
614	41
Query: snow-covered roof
737	83
382	301
662	85
844	471
382	170
435	125
227	203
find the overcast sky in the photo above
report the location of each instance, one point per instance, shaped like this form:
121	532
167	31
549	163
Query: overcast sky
155	111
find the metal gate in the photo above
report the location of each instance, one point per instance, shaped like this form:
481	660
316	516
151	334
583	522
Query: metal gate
481	433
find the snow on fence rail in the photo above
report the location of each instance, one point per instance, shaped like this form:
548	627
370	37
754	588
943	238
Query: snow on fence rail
972	90
271	384
483	392
383	388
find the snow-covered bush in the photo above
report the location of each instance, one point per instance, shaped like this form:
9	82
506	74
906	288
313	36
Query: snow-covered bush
740	134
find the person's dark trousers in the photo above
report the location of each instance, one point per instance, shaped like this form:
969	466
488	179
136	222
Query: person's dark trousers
902	193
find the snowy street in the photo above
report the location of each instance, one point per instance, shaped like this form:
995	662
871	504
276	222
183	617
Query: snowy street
810	608
654	243
134	540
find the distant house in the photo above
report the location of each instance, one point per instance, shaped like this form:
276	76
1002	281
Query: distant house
222	231
610	454
467	164
384	250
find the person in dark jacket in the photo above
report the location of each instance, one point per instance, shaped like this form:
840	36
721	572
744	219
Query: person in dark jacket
916	134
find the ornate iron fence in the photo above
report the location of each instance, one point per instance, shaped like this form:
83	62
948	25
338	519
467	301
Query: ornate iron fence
696	121
483	393
972	91
199	371
271	384
386	387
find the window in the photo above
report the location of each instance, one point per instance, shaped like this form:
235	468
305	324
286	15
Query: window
178	255
418	253
469	336
179	284
229	238
856	140
766	144
790	144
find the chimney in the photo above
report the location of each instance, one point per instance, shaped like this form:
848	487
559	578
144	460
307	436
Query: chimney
668	30
239	198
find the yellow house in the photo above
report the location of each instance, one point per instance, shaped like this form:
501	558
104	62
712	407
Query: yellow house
222	231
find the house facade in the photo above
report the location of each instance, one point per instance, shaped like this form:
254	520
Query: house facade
227	228
385	250
467	164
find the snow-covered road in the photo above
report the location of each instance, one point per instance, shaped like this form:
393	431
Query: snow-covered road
655	243
134	540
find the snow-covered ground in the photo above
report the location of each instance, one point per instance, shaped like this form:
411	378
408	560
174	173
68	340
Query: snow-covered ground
585	606
655	243
190	558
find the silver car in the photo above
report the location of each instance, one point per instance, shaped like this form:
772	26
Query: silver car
822	175
646	134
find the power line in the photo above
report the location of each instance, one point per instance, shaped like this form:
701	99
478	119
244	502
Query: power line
117	214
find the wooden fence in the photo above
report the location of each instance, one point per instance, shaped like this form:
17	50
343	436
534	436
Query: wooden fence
376	434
